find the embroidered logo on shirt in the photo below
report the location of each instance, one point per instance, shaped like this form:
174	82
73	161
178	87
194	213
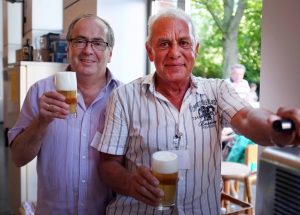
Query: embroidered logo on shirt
204	111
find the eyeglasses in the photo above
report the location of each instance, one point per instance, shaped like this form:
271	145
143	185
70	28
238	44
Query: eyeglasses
81	43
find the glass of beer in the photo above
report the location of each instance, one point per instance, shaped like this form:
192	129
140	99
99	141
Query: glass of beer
165	168
66	84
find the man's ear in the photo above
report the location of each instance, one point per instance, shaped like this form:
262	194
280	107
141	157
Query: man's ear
110	55
149	52
197	50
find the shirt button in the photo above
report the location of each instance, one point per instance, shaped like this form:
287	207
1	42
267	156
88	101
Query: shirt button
83	157
83	181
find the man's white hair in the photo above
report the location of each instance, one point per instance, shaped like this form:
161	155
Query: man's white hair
176	13
238	66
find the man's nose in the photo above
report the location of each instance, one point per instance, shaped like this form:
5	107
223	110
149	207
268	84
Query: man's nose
175	50
88	46
88	43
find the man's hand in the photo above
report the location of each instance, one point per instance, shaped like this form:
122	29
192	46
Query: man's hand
143	186
52	105
287	136
139	184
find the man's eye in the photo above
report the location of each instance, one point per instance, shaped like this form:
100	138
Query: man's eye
185	44
164	45
80	41
97	43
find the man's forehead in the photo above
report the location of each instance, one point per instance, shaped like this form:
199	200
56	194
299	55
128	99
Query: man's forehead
170	22
91	21
167	26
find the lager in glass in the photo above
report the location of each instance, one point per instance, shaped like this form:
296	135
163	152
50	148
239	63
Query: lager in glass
66	84
165	169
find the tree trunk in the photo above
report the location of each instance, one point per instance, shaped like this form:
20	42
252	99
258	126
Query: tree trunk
231	22
229	26
230	53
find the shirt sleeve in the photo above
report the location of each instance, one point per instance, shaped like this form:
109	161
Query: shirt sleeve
115	133
230	103
28	112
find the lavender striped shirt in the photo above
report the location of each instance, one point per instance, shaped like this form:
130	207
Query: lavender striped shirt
68	178
141	121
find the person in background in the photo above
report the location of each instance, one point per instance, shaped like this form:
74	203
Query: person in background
67	166
237	72
234	145
253	96
236	79
171	109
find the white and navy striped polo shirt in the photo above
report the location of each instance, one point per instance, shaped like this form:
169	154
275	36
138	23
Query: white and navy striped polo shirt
141	121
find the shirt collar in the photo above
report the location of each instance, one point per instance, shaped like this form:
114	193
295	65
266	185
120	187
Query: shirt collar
110	77
149	84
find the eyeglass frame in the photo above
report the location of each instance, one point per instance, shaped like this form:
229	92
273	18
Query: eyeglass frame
86	41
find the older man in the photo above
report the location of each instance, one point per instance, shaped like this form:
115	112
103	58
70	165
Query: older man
237	72
173	110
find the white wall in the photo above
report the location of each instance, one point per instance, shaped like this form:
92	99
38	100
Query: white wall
280	75
129	21
10	39
47	15
14	27
42	17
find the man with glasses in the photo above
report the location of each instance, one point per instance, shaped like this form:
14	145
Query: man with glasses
68	177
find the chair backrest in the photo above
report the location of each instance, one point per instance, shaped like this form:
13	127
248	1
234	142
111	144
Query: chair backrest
251	153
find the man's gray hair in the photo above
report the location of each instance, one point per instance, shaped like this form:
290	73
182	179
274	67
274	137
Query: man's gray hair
172	12
238	66
110	32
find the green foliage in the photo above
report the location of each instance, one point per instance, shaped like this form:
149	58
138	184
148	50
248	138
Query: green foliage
209	61
249	40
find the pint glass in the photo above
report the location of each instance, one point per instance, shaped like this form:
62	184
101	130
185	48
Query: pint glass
165	169
66	84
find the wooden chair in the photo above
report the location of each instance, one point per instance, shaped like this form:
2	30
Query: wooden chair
242	173
243	208
251	156
232	172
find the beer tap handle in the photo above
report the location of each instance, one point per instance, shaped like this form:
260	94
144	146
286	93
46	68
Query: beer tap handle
283	125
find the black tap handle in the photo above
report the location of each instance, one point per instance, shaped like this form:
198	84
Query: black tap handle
283	125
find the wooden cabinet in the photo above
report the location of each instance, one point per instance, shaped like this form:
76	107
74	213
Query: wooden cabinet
18	79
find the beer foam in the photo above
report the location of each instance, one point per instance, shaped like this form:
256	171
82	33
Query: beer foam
164	162
65	81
